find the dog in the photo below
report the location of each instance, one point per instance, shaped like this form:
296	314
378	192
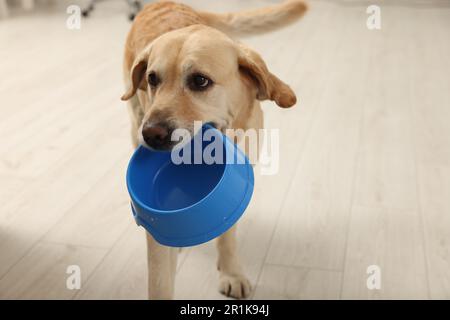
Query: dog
183	65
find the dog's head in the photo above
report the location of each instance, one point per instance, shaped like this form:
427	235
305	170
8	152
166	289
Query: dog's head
199	74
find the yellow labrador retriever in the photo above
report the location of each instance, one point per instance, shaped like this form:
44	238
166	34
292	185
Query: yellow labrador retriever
181	66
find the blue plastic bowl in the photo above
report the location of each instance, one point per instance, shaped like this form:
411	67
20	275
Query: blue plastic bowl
189	204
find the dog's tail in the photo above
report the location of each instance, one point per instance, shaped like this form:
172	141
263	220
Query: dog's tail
257	21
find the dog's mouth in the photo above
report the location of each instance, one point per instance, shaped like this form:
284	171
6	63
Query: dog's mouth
153	147
164	136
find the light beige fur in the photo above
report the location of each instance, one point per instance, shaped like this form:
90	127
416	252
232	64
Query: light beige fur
174	41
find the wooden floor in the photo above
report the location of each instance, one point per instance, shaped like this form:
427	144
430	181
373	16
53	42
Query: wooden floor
364	173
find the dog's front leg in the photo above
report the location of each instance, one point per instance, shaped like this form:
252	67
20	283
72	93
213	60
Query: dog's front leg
162	260
162	264
233	282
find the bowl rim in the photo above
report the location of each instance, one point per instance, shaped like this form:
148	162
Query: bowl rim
155	211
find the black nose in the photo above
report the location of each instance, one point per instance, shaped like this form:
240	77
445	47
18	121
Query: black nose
157	136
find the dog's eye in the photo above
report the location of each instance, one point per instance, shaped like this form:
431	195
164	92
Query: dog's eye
153	79
199	82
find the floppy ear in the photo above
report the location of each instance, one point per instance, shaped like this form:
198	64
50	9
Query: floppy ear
138	70
269	87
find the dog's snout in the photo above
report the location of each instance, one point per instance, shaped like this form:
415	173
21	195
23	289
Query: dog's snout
156	133
157	136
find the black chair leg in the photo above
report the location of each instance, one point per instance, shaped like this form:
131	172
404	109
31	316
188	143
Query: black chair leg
87	11
135	6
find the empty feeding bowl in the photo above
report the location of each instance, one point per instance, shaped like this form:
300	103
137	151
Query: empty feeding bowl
192	202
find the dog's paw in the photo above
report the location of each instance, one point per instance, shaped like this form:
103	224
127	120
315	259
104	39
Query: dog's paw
235	286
